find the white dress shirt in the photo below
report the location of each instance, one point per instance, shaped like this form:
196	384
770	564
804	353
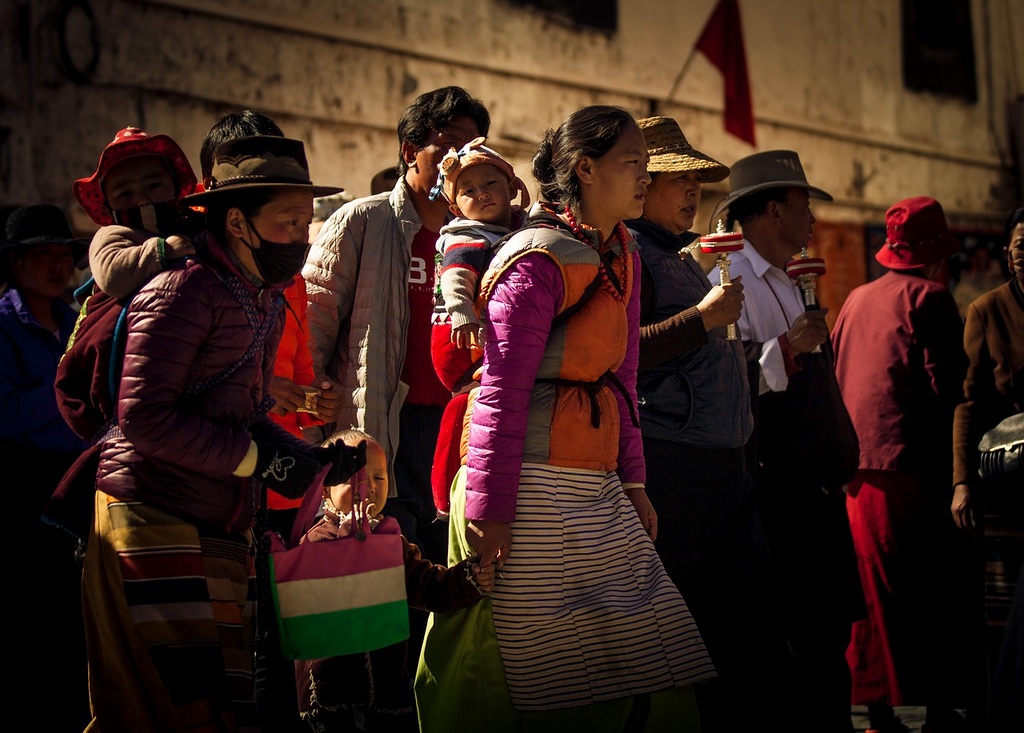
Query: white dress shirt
772	302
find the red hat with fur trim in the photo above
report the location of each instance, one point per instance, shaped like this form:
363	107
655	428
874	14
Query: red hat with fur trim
474	153
916	235
132	142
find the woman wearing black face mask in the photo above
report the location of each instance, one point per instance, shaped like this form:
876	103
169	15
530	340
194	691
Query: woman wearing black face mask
263	219
179	476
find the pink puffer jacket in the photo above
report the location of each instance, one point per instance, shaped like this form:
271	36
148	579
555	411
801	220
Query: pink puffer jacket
507	424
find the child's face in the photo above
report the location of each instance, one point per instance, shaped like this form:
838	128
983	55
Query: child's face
377	472
482	194
377	481
138	181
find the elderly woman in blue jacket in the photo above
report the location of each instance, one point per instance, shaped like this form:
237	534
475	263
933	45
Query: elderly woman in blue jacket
37	259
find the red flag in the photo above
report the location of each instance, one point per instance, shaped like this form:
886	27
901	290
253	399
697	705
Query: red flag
722	42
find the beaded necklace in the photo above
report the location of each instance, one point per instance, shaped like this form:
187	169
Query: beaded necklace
613	280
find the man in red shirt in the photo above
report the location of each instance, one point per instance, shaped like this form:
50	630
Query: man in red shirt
370	284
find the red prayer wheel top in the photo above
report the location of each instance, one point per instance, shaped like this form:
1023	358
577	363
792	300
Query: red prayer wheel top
721	241
804	266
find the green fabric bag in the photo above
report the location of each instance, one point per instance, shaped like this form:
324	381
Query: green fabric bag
461	649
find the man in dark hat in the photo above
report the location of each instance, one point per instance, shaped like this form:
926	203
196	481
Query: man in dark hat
37	259
770	198
800	498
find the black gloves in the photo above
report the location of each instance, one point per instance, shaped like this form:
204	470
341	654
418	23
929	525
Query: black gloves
289	466
346	461
284	467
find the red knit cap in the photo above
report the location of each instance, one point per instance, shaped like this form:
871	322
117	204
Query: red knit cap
131	142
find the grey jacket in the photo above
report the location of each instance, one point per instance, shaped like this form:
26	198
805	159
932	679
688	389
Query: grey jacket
357	282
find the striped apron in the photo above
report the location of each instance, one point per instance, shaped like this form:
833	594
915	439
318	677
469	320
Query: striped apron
169	623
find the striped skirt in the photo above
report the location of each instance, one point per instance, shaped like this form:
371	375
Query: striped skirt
169	623
585	611
464	674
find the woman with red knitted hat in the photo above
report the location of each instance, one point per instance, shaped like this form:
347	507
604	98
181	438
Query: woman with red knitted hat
900	364
134	195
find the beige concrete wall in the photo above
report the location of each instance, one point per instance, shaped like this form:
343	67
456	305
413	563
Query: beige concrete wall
825	76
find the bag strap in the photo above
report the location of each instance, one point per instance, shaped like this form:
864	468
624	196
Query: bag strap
592	389
83	291
360	518
587	294
118	346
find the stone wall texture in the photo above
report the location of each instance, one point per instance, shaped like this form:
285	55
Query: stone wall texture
826	80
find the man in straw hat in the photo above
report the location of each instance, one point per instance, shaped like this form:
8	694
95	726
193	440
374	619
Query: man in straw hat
800	498
901	365
190	451
713	547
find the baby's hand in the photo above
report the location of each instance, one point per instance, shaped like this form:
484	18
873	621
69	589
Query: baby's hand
177	246
483	576
467	335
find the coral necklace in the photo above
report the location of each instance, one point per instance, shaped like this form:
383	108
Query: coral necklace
613	279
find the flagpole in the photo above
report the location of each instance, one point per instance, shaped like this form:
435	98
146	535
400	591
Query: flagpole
678	80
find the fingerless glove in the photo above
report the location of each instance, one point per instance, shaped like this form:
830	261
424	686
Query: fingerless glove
285	468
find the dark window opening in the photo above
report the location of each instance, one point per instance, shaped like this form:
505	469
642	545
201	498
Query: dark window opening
938	48
598	14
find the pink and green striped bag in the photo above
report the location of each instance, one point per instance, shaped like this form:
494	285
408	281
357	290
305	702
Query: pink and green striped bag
340	596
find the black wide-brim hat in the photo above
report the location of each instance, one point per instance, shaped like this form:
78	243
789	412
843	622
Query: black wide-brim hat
40	224
36	226
770	169
258	162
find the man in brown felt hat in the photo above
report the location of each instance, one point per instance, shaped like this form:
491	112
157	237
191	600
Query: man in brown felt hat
799	487
715	550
